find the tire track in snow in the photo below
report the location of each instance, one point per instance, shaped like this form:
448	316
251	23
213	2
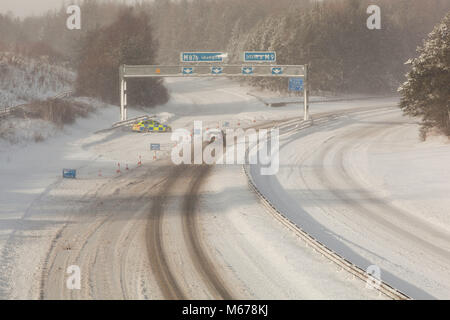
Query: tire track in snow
159	250
192	233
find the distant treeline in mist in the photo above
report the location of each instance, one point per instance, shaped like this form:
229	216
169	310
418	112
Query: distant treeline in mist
331	35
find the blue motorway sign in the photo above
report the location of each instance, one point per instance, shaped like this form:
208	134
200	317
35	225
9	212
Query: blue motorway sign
69	173
260	56
247	70
155	146
295	84
202	56
277	70
187	70
216	70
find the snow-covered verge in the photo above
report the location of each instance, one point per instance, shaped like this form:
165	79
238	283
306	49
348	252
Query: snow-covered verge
20	131
35	201
411	173
281	99
41	120
25	79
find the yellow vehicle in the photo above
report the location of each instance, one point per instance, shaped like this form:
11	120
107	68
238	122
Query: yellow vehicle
151	126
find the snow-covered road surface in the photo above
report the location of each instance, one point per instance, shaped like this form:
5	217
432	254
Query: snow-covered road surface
135	237
365	186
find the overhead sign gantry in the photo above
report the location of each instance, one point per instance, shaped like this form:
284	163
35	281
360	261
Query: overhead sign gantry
208	64
224	70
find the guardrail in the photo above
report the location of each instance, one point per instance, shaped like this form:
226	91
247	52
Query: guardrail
316	245
130	121
4	112
300	101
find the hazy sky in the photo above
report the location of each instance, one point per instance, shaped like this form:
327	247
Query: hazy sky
23	8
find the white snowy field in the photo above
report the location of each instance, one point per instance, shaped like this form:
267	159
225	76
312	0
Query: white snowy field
43	215
368	188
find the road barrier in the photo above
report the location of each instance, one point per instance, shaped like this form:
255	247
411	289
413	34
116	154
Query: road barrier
322	100
315	244
131	121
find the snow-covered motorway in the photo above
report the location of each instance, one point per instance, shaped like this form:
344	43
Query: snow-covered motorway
361	183
160	231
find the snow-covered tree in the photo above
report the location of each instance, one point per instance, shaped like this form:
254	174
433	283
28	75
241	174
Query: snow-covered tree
426	93
129	40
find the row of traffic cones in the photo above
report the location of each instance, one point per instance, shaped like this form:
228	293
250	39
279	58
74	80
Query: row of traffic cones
118	171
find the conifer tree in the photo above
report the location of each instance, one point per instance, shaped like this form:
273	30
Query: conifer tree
426	93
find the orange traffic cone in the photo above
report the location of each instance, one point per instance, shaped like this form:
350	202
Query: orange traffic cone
118	168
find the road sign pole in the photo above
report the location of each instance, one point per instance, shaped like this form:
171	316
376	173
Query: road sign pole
121	99
121	80
125	104
306	93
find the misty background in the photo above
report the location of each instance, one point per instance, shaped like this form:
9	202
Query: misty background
330	36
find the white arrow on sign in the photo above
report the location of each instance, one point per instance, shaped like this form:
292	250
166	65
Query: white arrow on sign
247	70
277	70
217	70
187	70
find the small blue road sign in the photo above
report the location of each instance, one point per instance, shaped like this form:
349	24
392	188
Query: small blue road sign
155	146
260	56
188	70
69	173
247	70
203	56
295	84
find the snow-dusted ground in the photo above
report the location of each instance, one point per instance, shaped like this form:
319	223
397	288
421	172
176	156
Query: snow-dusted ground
268	260
47	223
24	79
269	97
368	188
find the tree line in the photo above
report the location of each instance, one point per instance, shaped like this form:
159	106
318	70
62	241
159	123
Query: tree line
331	36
